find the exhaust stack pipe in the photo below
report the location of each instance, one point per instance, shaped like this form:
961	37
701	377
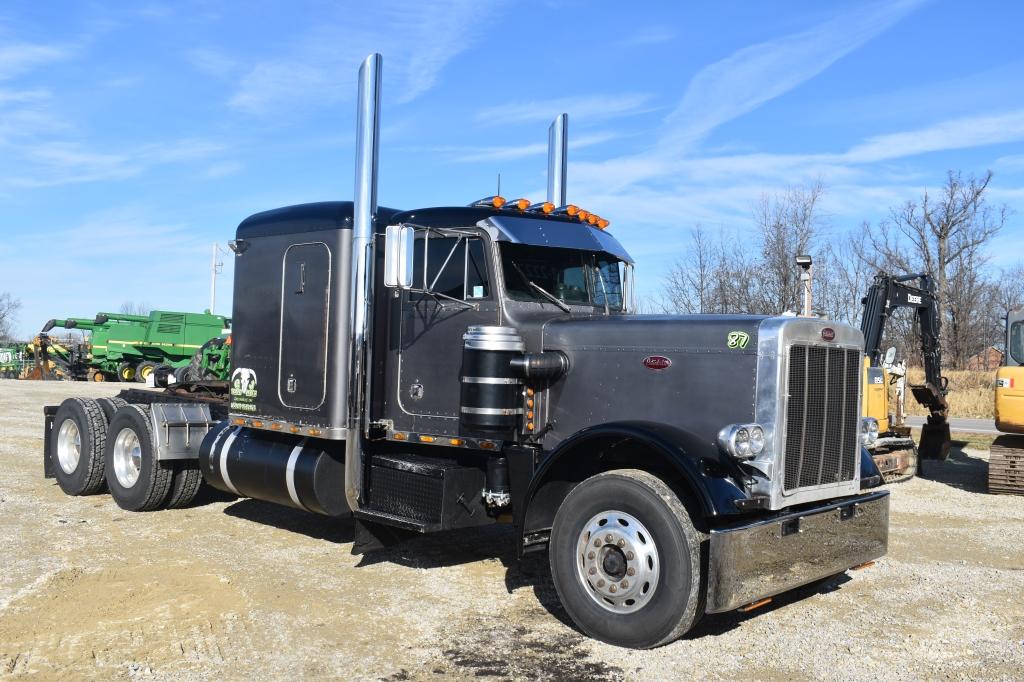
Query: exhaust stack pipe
558	157
364	210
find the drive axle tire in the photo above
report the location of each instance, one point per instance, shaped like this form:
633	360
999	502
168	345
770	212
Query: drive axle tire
77	446
137	481
188	479
110	406
626	560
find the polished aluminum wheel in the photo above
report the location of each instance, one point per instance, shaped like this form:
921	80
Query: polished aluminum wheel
69	446
127	458
617	562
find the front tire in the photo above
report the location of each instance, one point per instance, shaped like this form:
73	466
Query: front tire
77	446
137	480
626	560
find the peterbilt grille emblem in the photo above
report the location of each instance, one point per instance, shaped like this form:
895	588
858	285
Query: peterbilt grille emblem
657	362
828	333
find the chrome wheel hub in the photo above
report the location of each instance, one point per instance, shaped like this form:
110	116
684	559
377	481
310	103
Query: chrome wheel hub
69	446
127	458
617	562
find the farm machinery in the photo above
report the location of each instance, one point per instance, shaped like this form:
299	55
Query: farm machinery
130	347
13	359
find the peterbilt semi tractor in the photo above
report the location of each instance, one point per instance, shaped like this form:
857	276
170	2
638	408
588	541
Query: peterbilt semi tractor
441	368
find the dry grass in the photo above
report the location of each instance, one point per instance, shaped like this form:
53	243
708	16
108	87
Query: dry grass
971	393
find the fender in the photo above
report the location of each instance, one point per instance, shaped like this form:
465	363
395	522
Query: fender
697	464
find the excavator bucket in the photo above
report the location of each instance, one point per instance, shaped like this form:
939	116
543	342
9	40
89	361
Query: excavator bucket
935	440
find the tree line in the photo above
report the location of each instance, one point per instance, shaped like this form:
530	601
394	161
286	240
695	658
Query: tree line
945	233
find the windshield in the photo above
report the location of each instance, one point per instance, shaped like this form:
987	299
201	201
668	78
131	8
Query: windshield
573	277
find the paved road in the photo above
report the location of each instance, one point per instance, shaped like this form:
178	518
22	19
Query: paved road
961	425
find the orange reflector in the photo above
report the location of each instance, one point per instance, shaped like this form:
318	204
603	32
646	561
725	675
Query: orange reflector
257	423
487	445
455	441
602	223
293	429
755	605
238	422
529	403
399	436
529	392
859	567
314	432
426	439
529	427
529	415
275	427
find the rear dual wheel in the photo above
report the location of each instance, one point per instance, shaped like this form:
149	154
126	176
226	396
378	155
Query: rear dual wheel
138	481
626	560
77	446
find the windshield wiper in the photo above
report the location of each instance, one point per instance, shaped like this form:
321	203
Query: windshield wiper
541	290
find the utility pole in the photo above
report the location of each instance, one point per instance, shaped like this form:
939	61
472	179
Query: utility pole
216	267
805	262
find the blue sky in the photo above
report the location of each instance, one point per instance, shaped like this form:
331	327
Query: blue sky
133	136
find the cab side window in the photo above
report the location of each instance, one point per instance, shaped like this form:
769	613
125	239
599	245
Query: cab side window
456	267
1017	342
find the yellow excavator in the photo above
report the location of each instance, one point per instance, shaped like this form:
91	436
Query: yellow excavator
1006	460
894	452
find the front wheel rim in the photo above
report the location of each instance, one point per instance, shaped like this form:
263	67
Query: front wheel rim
127	458
69	446
617	562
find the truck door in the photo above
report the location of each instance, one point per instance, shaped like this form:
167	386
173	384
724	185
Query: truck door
305	311
453	281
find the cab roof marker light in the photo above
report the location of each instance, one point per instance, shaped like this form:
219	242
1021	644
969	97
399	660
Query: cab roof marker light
568	209
602	223
545	207
583	215
517	205
496	201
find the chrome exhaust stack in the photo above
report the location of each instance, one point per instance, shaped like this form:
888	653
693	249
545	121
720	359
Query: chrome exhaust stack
364	211
558	158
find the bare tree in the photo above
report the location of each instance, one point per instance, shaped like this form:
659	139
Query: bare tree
9	307
134	308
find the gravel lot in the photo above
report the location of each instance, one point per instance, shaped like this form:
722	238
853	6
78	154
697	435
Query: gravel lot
243	589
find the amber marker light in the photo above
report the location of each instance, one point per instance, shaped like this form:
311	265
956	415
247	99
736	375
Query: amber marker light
487	445
496	201
238	422
400	436
257	423
546	208
583	215
455	441
602	223
275	427
529	392
426	439
293	429
593	219
529	427
519	204
314	432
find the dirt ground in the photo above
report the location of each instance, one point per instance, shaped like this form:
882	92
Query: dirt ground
239	589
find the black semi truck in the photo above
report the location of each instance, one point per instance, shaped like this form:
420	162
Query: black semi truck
441	368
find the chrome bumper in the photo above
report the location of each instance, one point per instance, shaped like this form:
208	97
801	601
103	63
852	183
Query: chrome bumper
760	559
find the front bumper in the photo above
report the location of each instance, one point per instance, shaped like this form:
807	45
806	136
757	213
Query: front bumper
758	559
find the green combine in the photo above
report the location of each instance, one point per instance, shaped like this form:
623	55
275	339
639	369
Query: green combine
131	347
12	360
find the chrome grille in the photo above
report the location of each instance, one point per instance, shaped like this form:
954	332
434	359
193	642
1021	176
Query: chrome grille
822	416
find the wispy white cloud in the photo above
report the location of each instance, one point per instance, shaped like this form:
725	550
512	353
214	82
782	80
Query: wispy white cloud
419	39
468	154
751	76
211	62
17	58
647	36
589	108
222	169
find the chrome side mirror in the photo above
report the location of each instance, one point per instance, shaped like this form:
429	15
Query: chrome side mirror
398	256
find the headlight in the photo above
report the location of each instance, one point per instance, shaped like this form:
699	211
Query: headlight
742	441
868	430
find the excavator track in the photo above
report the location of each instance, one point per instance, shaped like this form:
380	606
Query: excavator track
1006	465
896	459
